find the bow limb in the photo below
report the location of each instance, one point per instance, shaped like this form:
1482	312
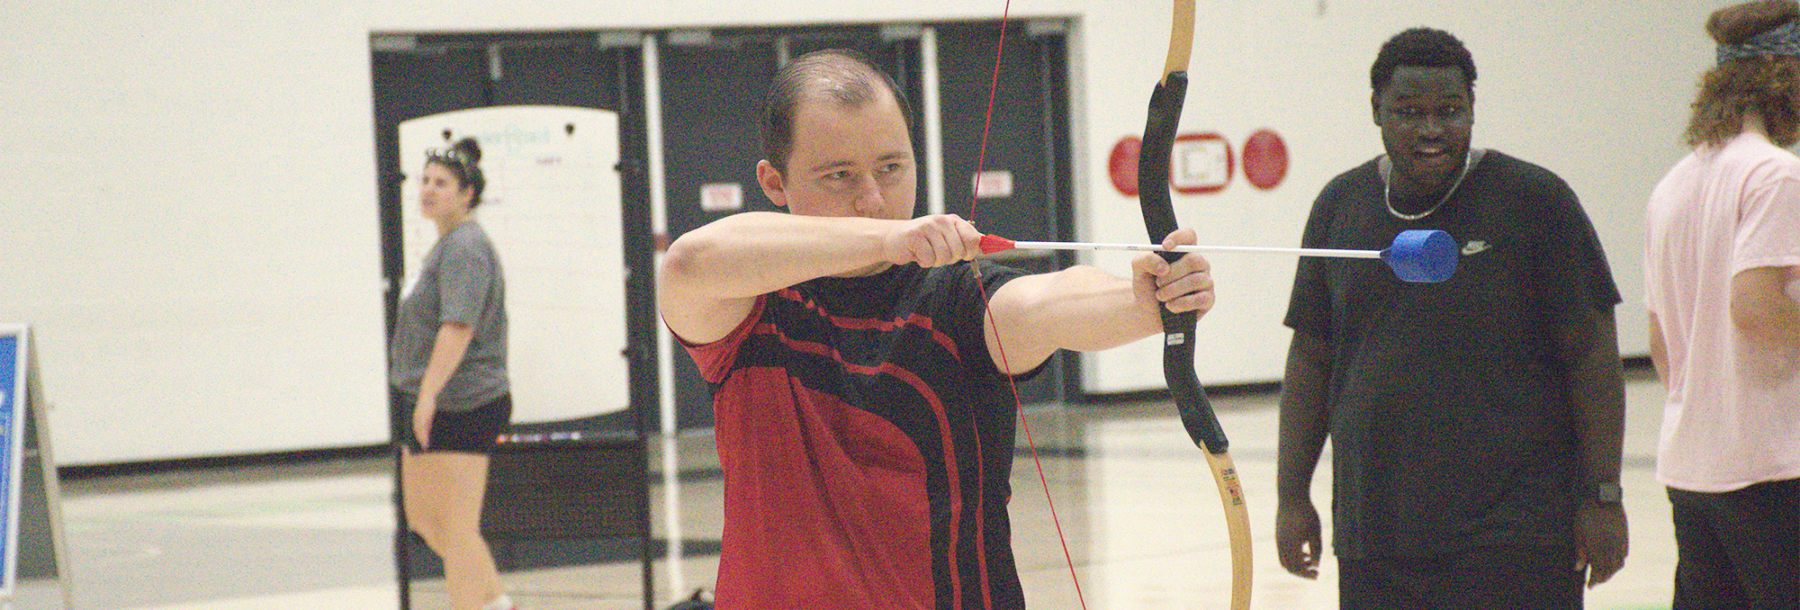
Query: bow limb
1178	328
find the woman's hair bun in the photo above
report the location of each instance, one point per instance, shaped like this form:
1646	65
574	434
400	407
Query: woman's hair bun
469	149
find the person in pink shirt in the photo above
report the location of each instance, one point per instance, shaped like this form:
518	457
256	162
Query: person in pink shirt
1723	248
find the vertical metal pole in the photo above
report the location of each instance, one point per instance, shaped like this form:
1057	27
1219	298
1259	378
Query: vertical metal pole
402	541
933	120
659	222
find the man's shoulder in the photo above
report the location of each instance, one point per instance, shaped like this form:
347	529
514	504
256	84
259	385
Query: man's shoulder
1519	181
1518	170
1367	172
1757	157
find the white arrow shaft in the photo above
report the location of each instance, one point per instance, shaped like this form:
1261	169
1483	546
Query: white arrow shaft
1326	252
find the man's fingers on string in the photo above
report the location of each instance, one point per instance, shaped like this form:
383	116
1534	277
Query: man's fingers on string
965	241
952	239
939	250
923	254
970	238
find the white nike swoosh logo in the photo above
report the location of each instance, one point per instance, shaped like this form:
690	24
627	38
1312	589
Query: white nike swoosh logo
1475	247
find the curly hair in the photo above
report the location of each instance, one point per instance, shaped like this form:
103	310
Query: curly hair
1766	86
1421	47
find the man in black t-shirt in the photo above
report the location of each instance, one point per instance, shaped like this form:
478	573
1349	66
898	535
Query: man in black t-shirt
1476	424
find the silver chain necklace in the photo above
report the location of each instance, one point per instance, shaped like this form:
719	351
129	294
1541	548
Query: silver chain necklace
1387	185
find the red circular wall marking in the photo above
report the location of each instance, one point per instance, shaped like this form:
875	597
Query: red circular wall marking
1122	165
1265	159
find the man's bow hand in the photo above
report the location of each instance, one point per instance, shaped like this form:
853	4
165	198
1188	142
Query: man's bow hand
1183	285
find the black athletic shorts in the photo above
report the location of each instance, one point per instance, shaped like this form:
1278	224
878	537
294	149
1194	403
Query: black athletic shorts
1484	578
466	431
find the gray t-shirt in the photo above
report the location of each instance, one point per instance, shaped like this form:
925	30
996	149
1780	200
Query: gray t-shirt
460	281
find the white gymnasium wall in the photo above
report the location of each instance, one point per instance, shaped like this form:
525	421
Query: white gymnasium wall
190	224
192	219
1596	92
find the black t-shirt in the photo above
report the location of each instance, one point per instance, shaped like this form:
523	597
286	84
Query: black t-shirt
1451	425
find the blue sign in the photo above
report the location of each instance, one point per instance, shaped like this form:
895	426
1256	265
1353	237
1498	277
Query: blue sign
12	385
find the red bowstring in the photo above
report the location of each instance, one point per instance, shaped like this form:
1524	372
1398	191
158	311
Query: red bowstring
1019	403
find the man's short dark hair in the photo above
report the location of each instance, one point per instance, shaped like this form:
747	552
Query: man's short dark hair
843	75
1421	47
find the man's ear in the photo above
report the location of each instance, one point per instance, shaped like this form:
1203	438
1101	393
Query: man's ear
774	186
1375	108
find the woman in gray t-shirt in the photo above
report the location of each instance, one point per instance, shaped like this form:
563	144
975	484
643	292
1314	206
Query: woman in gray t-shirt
448	372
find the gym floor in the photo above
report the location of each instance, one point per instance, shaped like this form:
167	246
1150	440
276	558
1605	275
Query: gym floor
1136	501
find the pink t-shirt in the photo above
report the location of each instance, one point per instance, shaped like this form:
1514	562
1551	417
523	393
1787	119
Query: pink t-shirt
1732	415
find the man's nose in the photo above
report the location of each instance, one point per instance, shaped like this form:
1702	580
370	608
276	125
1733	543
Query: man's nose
1432	125
868	194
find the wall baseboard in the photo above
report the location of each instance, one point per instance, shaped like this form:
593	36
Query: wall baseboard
299	458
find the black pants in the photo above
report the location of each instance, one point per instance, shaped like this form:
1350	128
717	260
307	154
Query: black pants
1486	578
1738	549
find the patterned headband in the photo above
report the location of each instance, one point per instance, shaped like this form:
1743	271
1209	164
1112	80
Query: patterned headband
452	154
1781	41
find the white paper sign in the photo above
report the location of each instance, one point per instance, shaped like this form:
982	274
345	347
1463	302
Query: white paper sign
722	197
994	184
1201	165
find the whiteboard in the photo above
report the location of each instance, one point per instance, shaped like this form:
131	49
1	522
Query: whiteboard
552	207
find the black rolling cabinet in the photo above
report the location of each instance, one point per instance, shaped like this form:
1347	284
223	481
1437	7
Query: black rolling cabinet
593	488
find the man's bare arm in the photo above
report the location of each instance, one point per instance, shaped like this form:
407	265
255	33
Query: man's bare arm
1659	349
1762	309
712	276
1080	308
1085	309
1304	425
